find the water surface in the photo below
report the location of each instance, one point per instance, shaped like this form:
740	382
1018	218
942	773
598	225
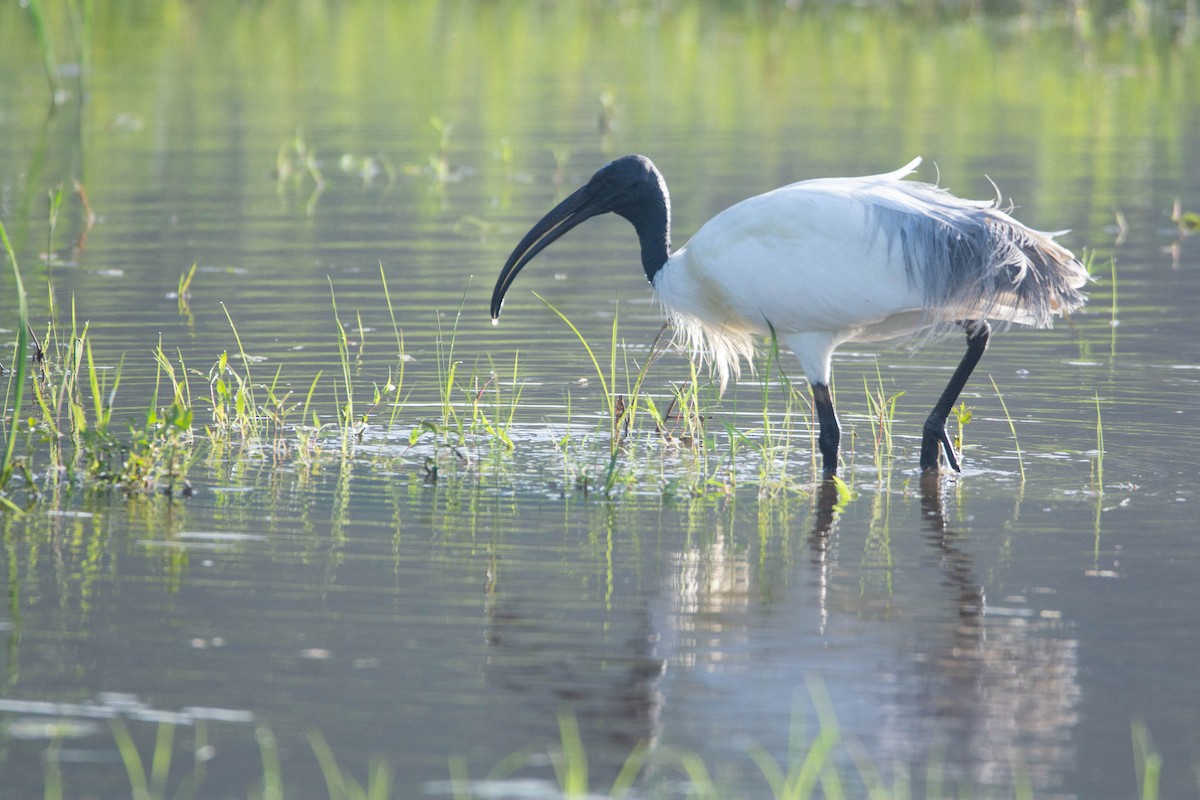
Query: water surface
998	625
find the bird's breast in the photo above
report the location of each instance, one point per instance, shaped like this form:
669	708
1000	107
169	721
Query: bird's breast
705	296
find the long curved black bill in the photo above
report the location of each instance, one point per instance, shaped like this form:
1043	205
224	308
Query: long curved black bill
573	210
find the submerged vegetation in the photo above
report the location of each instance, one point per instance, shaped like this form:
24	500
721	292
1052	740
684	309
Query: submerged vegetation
818	764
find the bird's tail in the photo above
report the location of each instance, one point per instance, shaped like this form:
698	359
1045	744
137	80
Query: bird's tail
1031	278
974	261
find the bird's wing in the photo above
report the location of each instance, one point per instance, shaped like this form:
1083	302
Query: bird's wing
806	257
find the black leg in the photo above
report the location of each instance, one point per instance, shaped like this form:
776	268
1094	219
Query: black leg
830	434
933	437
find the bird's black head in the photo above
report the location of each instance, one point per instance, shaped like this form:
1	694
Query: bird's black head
627	185
631	187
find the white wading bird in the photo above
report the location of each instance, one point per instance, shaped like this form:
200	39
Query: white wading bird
828	261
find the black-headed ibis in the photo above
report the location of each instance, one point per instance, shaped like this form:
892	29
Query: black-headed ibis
828	261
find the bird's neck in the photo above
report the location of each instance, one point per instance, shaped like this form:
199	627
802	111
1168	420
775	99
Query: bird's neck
651	218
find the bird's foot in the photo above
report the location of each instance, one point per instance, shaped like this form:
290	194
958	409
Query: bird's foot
933	442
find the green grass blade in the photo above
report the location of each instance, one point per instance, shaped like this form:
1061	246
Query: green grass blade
1011	427
189	787
1099	449
571	764
586	346
160	764
346	418
272	780
610	399
770	770
612	361
19	362
130	757
401	358
49	63
379	779
700	782
245	404
52	781
460	779
629	770
1147	761
335	782
629	417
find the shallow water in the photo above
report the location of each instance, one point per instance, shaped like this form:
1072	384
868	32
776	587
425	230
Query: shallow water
998	625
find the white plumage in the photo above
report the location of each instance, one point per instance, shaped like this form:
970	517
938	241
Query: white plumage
828	261
824	262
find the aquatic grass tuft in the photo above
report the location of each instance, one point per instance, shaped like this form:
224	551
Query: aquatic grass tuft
571	763
145	785
183	293
57	391
882	409
901	788
503	411
296	161
812	767
243	397
621	409
54	199
616	405
963	416
448	366
347	423
775	440
154	456
439	161
630	401
396	382
845	494
807	764
463	402
79	13
682	421
342	786
606	386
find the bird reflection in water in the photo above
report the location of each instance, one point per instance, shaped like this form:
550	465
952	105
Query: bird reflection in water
985	687
996	683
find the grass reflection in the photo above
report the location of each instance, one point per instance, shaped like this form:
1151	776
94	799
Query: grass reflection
822	763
